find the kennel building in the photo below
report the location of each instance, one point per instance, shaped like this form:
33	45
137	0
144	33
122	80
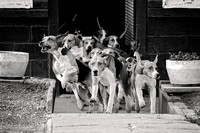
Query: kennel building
158	30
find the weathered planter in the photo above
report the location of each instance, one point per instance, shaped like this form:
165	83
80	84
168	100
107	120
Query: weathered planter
183	72
13	64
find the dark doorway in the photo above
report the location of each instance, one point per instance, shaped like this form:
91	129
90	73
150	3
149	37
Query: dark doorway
111	14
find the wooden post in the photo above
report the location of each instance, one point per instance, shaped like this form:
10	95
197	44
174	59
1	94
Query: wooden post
53	30
141	18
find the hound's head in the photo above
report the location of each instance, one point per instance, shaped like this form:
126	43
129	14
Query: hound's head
150	69
88	44
101	33
134	45
112	42
129	62
97	65
95	52
110	51
78	34
71	40
51	43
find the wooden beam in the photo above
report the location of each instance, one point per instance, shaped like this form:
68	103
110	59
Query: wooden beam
165	13
41	13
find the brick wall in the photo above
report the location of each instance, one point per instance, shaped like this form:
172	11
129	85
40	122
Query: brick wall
161	31
21	30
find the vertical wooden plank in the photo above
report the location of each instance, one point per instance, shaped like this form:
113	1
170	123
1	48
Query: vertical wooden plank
53	30
52	27
141	13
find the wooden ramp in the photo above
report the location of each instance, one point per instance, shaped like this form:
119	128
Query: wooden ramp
121	123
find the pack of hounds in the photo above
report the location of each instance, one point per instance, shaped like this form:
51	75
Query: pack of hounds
99	72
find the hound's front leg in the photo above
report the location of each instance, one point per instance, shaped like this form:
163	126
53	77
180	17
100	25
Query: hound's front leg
111	98
120	93
116	104
80	103
95	83
153	100
139	86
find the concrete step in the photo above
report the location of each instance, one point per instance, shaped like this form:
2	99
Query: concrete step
121	123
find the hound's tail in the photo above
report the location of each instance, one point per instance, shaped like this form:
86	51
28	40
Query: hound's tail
138	59
139	67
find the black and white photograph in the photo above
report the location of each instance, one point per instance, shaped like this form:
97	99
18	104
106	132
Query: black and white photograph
100	66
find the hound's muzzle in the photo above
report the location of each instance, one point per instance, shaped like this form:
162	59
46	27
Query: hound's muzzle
157	76
89	49
95	72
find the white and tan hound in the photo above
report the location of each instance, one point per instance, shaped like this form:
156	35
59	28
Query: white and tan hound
144	73
67	69
110	71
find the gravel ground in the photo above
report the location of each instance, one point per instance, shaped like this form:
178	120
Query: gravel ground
192	101
22	106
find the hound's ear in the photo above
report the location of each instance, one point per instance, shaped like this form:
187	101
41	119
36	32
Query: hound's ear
139	69
156	59
44	35
135	45
60	38
77	41
105	42
106	59
89	63
116	55
137	56
95	38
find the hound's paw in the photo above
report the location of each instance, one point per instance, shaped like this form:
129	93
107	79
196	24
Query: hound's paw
153	112
108	111
116	108
80	105
137	109
89	111
142	104
100	111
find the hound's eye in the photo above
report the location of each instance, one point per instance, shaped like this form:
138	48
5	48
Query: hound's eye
99	63
112	40
151	68
50	39
100	35
69	40
92	64
86	42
